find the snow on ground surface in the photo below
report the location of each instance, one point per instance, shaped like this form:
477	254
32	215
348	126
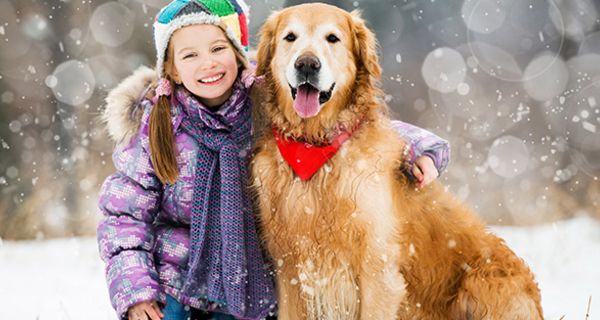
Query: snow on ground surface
64	279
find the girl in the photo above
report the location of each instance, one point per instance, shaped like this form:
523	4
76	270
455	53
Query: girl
178	235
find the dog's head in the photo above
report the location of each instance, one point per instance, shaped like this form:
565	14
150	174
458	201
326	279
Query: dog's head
316	56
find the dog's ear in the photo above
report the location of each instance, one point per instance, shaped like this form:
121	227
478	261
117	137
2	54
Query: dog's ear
266	45
365	46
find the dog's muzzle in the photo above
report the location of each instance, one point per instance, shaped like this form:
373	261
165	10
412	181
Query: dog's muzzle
307	93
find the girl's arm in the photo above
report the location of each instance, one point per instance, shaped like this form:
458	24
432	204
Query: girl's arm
424	143
129	201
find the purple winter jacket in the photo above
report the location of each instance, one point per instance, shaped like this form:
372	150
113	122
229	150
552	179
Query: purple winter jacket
144	235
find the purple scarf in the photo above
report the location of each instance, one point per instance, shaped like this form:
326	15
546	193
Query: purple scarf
226	265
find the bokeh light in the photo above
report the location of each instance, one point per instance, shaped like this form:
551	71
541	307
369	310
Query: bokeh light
484	16
72	82
505	50
508	157
444	69
482	107
36	27
545	77
111	24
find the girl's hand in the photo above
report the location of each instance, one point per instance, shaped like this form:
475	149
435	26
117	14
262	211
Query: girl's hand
424	171
147	310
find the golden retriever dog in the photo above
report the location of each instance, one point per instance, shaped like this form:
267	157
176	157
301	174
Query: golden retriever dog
357	239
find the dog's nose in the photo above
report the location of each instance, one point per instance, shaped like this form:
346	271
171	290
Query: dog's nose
307	64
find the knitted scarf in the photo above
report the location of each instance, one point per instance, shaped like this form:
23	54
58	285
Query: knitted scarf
226	265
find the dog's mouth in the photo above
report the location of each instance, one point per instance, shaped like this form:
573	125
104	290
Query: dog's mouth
308	99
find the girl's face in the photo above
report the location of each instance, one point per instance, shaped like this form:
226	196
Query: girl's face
205	62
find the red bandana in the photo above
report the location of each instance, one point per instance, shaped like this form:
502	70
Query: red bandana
305	158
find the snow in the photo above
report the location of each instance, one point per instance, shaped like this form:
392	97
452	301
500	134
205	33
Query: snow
565	257
64	279
53	279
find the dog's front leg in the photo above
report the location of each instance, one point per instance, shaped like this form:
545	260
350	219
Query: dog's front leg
291	305
382	286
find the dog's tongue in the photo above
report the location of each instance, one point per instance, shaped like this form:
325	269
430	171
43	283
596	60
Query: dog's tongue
306	103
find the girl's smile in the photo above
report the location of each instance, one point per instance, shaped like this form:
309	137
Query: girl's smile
212	80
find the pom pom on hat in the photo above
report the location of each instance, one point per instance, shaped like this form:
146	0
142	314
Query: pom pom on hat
233	14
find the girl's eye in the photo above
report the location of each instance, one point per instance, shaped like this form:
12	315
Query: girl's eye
332	38
291	37
217	49
189	55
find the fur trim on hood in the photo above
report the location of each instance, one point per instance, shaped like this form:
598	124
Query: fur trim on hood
119	117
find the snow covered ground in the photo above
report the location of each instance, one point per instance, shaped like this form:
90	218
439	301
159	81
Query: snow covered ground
63	279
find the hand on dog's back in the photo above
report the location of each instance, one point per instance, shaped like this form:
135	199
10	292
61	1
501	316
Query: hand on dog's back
424	171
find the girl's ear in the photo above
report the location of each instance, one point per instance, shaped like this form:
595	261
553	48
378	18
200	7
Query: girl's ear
172	72
170	69
176	77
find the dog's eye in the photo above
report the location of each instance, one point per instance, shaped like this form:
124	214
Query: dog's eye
291	37
332	38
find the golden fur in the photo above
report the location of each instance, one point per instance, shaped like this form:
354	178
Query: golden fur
358	240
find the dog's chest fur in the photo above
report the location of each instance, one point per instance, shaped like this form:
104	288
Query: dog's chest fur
319	230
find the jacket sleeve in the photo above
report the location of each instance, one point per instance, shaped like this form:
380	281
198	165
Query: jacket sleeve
129	201
424	143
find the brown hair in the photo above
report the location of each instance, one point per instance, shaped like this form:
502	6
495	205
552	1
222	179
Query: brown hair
160	130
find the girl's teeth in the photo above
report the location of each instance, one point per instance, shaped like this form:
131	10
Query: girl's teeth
212	79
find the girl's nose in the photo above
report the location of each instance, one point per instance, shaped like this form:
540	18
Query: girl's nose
209	64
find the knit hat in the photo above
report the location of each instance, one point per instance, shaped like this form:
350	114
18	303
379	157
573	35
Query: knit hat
231	14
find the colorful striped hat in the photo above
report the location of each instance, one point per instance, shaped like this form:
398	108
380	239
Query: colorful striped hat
231	14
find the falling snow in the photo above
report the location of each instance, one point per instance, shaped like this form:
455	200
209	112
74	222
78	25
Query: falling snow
589	126
512	85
